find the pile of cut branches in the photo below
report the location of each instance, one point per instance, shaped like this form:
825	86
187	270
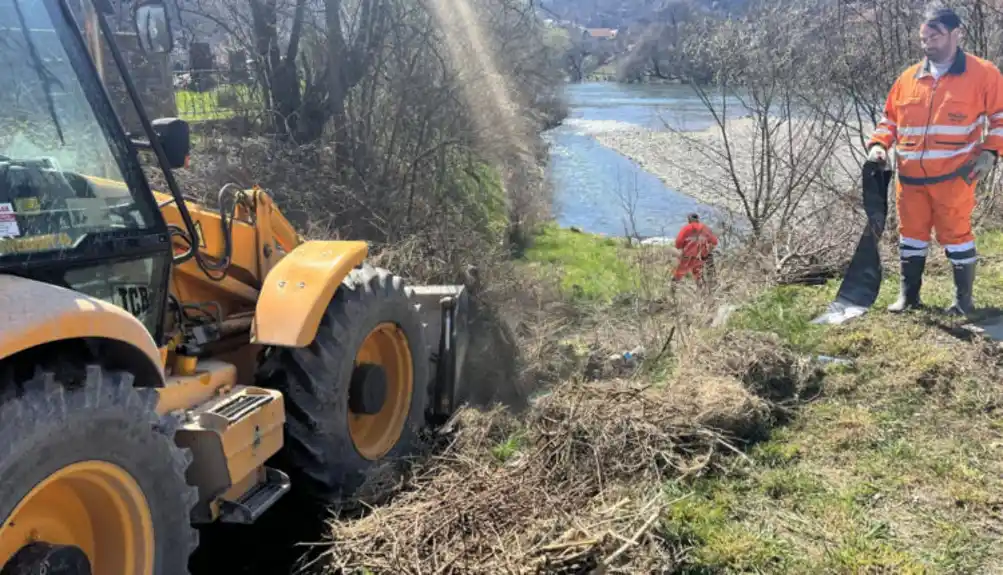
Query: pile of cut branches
574	484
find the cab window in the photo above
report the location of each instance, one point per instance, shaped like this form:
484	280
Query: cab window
61	173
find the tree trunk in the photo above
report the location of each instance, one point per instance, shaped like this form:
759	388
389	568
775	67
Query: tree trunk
281	76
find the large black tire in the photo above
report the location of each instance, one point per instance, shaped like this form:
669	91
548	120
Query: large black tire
319	454
46	426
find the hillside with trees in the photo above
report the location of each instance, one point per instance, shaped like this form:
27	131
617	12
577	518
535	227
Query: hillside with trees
602	13
632	40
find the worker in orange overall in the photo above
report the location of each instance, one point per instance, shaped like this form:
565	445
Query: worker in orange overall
696	243
944	115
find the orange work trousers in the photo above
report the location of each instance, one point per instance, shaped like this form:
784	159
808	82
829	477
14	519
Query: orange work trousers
689	265
945	207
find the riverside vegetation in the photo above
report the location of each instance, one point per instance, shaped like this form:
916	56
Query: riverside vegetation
730	444
730	447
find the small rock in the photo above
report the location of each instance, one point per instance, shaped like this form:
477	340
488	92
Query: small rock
658	241
723	313
828	359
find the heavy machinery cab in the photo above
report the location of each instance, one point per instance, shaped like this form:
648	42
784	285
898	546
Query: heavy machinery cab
241	334
75	207
77	211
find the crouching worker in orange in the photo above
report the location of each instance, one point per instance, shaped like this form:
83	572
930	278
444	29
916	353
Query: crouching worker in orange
696	243
935	116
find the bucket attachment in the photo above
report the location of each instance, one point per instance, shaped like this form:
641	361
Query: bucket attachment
444	312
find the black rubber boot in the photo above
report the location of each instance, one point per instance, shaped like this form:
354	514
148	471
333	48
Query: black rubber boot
912	281
964	280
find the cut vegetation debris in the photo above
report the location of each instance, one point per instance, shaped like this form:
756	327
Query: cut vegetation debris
744	455
577	483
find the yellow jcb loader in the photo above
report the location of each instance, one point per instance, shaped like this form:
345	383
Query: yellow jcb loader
164	364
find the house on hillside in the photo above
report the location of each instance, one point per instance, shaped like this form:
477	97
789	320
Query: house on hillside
600	39
600	33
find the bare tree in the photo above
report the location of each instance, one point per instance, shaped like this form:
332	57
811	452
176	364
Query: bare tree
389	126
629	197
773	159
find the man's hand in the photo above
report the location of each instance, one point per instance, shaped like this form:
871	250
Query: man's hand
982	166
877	153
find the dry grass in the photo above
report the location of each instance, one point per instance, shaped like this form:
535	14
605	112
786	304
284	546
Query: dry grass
693	459
574	483
895	469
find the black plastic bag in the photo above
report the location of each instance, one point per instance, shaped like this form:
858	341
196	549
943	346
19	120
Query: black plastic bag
862	281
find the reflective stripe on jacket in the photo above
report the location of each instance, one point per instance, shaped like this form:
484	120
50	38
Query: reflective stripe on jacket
695	240
937	125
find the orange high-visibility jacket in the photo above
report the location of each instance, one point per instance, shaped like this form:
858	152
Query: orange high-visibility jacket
695	240
937	125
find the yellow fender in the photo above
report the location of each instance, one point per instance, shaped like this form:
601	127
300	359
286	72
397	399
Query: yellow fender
33	313
297	291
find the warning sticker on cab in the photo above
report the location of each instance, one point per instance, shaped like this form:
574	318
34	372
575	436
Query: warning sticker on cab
27	205
8	222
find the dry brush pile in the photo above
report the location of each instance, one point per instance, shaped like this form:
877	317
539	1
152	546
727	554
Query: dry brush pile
574	484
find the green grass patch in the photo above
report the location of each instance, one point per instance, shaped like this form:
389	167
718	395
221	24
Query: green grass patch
895	469
589	267
989	242
786	311
507	449
219	103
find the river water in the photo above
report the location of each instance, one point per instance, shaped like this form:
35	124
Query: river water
593	183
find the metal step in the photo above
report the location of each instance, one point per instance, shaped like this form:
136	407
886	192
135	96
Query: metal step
255	502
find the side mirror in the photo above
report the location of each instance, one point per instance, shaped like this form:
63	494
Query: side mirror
175	138
153	28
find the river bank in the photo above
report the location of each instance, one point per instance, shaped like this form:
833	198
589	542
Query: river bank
670	439
644	157
727	168
595	187
673	437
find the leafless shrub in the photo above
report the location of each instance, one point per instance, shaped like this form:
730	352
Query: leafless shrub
769	157
628	195
377	127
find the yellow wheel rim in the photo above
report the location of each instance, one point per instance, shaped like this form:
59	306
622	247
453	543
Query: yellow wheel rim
374	435
94	505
